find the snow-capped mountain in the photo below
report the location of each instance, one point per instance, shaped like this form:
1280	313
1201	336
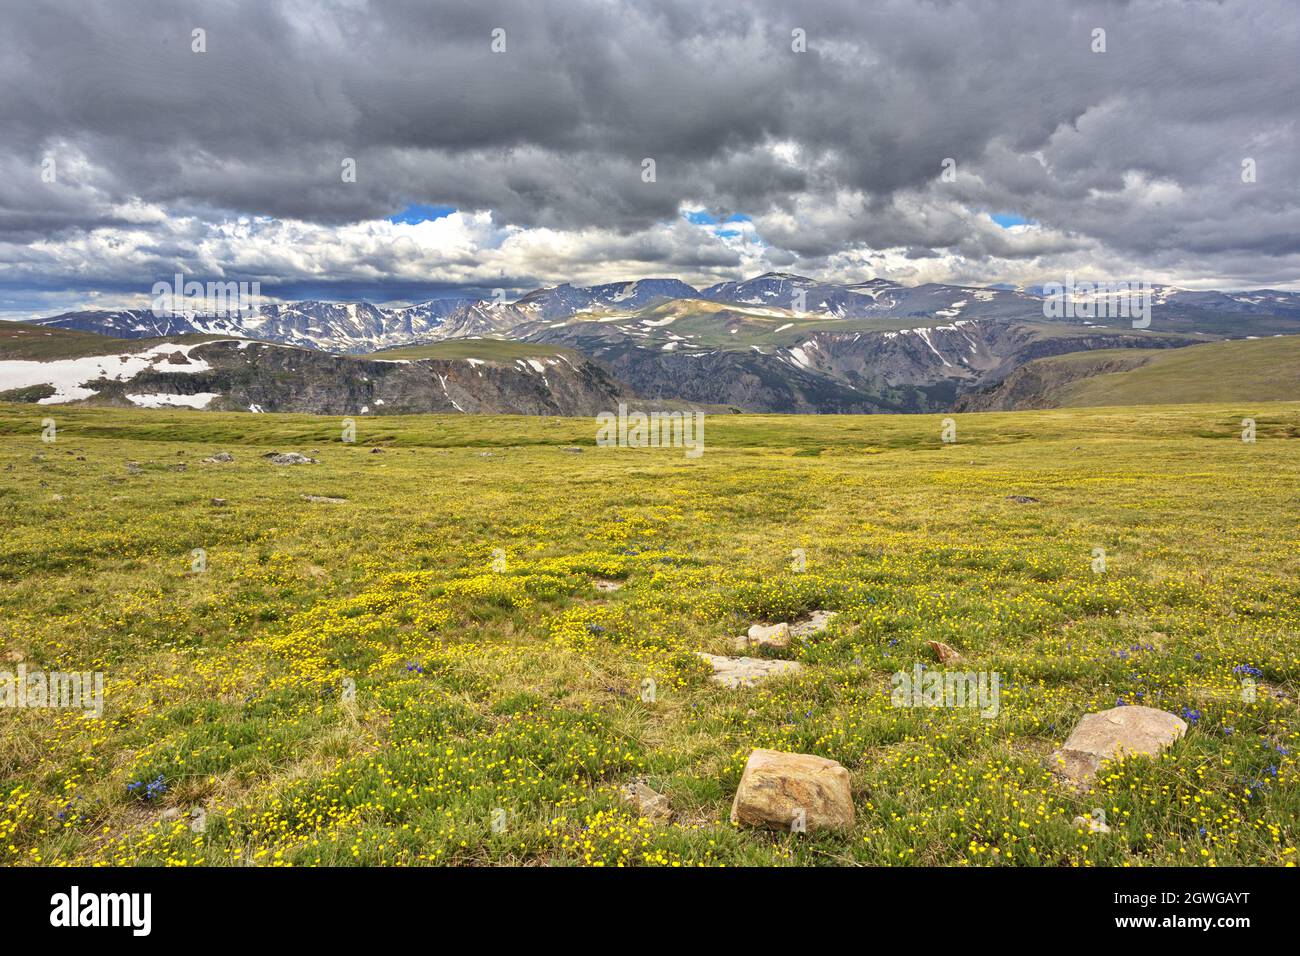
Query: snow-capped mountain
565	300
143	324
343	327
358	327
782	290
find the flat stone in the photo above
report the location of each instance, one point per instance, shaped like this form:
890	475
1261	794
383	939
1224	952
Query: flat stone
817	622
787	791
1112	735
747	671
221	456
1022	499
288	458
607	586
324	499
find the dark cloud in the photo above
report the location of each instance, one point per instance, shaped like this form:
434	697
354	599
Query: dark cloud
1134	154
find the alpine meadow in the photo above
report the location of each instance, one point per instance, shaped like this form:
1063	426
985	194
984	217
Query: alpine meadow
641	468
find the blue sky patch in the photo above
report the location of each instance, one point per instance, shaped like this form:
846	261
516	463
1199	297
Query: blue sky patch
701	217
420	212
1008	219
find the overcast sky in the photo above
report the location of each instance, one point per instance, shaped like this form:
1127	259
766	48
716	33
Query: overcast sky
478	169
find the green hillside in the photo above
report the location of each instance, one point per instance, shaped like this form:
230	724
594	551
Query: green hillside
1257	370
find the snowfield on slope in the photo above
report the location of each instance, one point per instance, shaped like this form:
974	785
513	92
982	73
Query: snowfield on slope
69	377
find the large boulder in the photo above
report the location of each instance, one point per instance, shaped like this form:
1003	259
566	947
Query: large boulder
1113	734
784	791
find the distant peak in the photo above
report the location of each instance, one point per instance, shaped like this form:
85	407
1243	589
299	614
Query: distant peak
787	276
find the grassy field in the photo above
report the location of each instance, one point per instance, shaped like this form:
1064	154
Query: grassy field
351	681
1214	372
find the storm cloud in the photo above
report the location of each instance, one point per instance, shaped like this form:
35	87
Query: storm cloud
825	160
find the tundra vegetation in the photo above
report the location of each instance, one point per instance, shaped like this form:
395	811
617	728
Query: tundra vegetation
421	656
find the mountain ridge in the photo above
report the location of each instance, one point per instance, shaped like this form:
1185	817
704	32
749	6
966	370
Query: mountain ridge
777	342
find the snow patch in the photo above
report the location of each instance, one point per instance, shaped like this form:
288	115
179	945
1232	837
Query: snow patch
68	377
168	400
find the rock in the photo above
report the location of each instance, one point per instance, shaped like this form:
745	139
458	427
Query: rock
775	635
133	468
288	458
650	804
218	502
177	358
784	791
1093	825
1022	499
1113	734
56	497
747	671
944	653
376	451
219	457
170	814
816	623
607	586
324	499
572	450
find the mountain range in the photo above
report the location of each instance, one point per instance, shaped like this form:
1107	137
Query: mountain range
777	342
